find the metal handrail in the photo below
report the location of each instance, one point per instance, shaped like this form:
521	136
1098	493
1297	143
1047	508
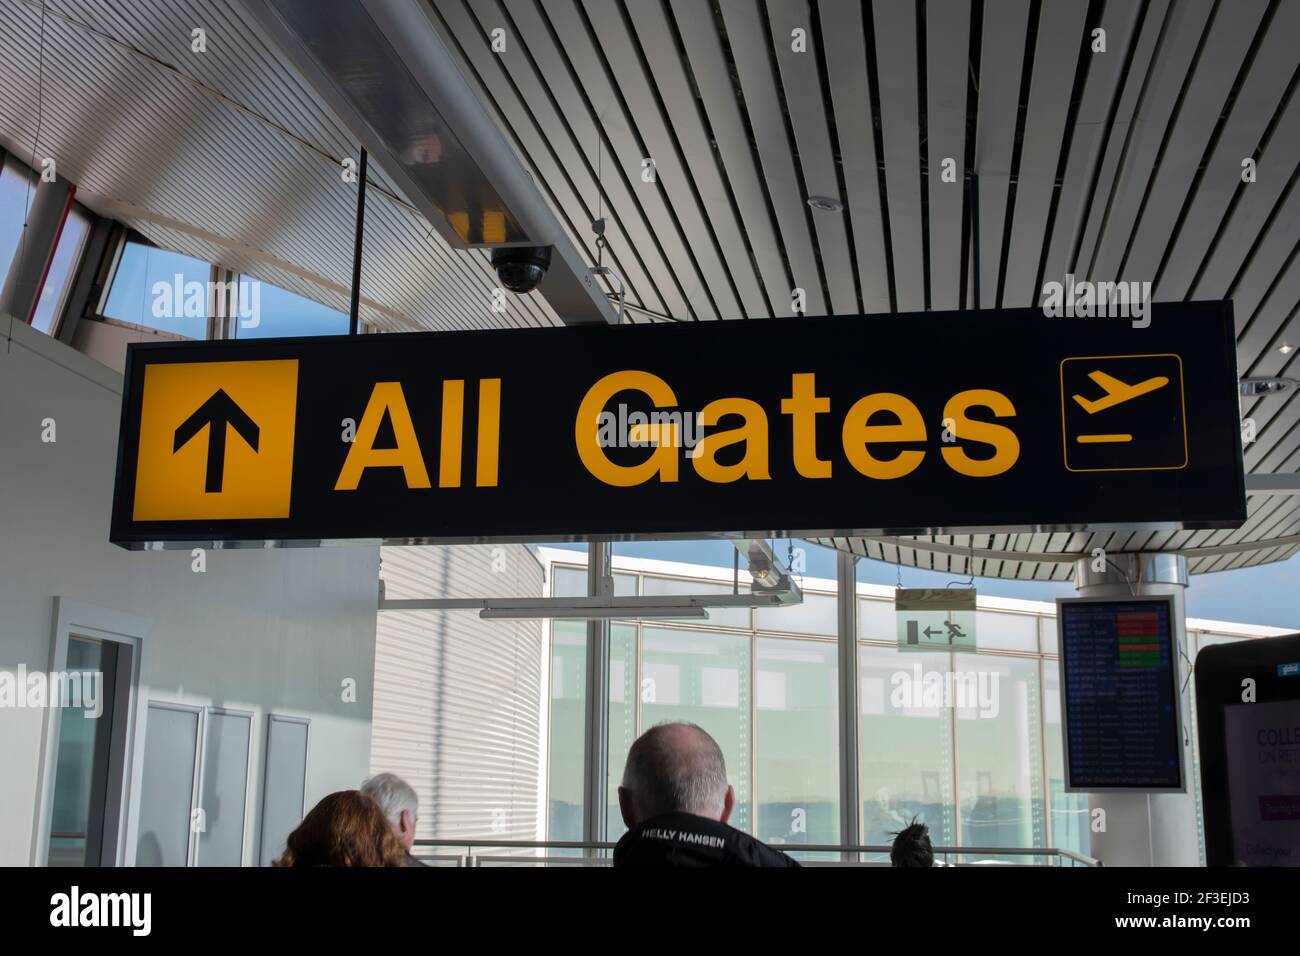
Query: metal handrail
470	844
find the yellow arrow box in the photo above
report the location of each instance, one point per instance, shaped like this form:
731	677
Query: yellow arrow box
216	440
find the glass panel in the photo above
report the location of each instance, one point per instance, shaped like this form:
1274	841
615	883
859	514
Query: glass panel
1047	629
905	745
161	290
703	677
267	311
167	799
1006	632
622	716
877	620
568	724
798	742
225	789
16	191
999	752
718	617
572	582
284	790
1070	820
568	675
62	266
815	615
85	724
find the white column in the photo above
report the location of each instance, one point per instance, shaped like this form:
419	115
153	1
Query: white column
1156	829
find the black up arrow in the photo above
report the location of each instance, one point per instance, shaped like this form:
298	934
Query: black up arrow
217	412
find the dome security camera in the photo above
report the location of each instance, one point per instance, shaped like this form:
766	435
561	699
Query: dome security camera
521	268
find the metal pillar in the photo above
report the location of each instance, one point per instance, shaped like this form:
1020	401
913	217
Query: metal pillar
354	305
22	289
846	596
595	751
1141	829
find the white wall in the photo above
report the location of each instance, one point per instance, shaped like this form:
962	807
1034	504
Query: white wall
260	630
460	703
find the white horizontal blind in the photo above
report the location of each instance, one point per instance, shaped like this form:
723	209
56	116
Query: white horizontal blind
459	701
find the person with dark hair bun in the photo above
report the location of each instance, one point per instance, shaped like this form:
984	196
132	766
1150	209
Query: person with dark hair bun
912	846
346	828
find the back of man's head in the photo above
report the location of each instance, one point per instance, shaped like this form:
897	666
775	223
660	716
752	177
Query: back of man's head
912	846
675	768
395	797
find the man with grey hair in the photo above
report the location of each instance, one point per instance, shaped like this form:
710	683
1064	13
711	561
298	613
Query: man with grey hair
676	802
397	799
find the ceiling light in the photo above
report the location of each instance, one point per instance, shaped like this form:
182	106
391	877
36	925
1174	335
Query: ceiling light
1286	349
825	203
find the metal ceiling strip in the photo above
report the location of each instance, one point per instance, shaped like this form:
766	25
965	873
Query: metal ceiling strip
632	241
898	72
1002	49
947	66
1252	112
1171	70
1230	37
1056	57
674	179
843	44
589	62
753	63
707	62
684	121
801	81
1095	123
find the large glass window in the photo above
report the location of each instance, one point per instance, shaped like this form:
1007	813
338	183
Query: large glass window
905	743
63	265
999	752
968	743
568	723
16	190
267	311
703	677
798	741
718	616
160	289
1070	819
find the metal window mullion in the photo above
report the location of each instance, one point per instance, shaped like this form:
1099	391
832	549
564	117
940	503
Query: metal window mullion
595	765
846	605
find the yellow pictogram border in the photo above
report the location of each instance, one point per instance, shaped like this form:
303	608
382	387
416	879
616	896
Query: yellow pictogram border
1182	399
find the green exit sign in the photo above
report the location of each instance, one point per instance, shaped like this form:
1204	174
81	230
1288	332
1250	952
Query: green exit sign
935	619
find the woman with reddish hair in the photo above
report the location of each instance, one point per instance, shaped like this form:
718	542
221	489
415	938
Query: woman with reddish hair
346	828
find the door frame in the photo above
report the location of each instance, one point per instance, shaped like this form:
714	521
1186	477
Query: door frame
121	804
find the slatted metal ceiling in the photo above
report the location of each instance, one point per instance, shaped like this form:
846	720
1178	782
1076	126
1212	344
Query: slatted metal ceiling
1122	165
226	155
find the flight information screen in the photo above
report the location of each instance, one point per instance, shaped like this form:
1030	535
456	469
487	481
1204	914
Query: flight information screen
1119	689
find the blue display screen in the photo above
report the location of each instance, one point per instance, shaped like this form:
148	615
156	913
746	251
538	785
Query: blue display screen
1120	695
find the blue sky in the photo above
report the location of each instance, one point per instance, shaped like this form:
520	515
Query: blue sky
1259	595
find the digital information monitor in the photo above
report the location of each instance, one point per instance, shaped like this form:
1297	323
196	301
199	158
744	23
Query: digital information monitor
1119	694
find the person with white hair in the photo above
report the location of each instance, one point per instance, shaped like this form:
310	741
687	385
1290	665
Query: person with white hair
400	804
676	801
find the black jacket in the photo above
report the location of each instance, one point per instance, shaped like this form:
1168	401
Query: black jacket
683	839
